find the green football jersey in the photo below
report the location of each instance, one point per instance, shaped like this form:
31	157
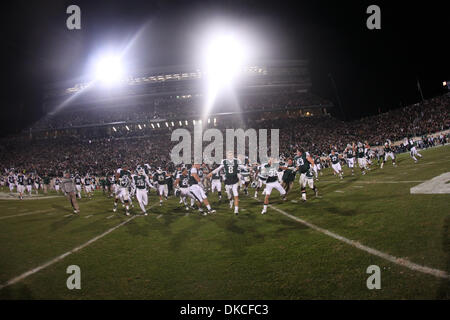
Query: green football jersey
334	158
302	162
139	181
231	171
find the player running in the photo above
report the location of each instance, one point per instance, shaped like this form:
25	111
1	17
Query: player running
182	187
123	176
270	171
231	167
160	177
411	144
20	185
140	183
388	153
216	183
303	163
350	153
361	155
335	157
196	188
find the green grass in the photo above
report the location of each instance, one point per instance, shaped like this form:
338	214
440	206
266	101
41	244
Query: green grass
251	256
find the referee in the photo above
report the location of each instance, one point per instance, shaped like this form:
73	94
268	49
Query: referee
68	187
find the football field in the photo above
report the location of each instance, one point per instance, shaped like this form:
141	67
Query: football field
320	249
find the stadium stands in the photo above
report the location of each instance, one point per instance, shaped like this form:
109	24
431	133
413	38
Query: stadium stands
92	150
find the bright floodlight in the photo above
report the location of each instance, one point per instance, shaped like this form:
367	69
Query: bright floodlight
224	58
109	69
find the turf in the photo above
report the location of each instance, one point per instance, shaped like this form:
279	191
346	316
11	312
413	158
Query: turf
171	255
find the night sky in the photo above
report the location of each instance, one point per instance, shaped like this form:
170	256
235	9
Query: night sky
373	69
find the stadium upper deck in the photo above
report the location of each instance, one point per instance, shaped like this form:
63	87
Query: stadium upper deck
181	90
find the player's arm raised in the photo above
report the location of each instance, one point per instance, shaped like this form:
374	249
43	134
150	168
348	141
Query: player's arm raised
215	171
311	161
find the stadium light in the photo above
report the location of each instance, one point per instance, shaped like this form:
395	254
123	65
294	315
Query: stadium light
109	69
158	125
180	123
115	130
444	84
224	58
139	126
167	125
193	121
186	122
153	126
172	124
209	120
127	128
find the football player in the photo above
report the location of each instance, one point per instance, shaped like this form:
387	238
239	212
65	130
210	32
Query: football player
270	171
231	167
334	158
140	183
216	183
303	163
388	153
123	176
182	186
350	153
361	156
20	184
196	188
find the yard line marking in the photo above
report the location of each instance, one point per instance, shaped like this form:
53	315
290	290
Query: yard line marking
357	186
110	216
159	216
59	258
340	191
294	201
376	181
399	261
68	215
88	216
22	214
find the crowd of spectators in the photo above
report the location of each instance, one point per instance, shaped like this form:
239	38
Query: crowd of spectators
100	154
170	108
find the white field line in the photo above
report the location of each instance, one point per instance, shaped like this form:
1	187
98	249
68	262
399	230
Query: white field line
159	216
376	181
88	216
339	191
399	261
59	258
109	217
22	214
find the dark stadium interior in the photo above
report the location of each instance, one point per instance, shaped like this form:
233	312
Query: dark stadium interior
373	71
225	149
